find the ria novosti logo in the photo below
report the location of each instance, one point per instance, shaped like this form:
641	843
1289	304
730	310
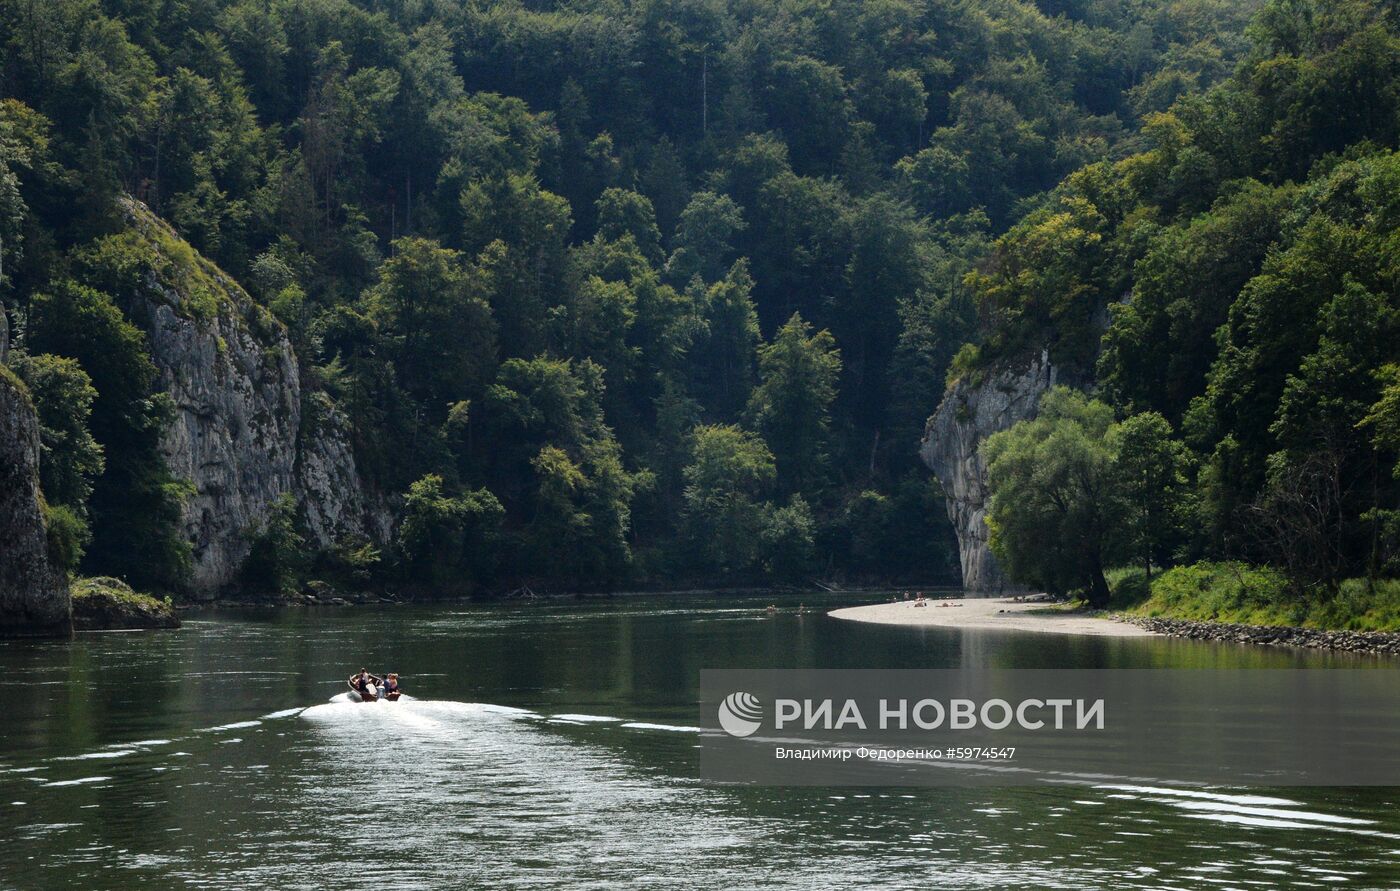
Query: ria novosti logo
740	714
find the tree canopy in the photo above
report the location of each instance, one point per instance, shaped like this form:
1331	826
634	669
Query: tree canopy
550	253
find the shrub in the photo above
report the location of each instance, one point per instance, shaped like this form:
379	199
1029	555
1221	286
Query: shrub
1229	592
276	556
68	536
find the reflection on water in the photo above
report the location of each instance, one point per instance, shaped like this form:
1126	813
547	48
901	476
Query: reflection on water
555	744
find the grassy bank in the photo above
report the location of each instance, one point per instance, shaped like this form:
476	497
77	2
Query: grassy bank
1249	595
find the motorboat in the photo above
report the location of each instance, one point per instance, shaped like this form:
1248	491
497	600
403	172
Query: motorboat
373	692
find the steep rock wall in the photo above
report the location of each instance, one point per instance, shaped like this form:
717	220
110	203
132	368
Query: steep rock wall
34	599
971	411
240	433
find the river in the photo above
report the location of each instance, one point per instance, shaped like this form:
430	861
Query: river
553	743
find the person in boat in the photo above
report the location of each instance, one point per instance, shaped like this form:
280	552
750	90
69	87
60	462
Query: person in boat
391	686
363	683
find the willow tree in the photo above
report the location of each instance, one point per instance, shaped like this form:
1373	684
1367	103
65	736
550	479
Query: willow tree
1055	516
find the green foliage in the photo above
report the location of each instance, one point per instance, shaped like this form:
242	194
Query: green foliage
433	323
1160	345
71	459
723	373
1244	256
730	472
964	362
623	213
276	550
1229	592
582	513
353	560
105	603
902	535
1153	473
583	222
704	242
68	536
446	541
136	503
1055	515
791	406
1251	595
1383	419
149	261
789	535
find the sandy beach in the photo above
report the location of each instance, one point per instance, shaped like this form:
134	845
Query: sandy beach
989	614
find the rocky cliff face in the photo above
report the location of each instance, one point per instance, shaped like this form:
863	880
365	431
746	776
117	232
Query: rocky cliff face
34	597
241	433
971	411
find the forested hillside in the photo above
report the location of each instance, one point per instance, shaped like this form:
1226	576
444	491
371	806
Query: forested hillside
656	290
1248	262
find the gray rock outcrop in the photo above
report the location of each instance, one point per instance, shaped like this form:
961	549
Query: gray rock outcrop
242	432
34	599
972	410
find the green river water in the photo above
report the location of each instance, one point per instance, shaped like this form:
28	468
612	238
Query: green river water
553	744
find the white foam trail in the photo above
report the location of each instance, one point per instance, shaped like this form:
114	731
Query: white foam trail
588	719
1228	798
346	697
82	781
1311	817
342	710
284	713
499	709
643	725
1276	823
237	725
91	756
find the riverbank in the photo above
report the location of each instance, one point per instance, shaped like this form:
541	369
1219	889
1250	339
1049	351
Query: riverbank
991	614
317	594
1380	643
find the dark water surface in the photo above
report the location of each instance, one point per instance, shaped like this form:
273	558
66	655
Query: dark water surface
553	744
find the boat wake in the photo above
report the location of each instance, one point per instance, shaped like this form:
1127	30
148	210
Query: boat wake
347	698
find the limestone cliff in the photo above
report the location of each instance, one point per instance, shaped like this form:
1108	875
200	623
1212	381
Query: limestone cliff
972	410
34	597
241	433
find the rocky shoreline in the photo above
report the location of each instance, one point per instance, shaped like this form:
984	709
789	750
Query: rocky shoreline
1385	643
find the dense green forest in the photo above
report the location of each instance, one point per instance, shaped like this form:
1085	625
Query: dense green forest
663	291
1247	405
